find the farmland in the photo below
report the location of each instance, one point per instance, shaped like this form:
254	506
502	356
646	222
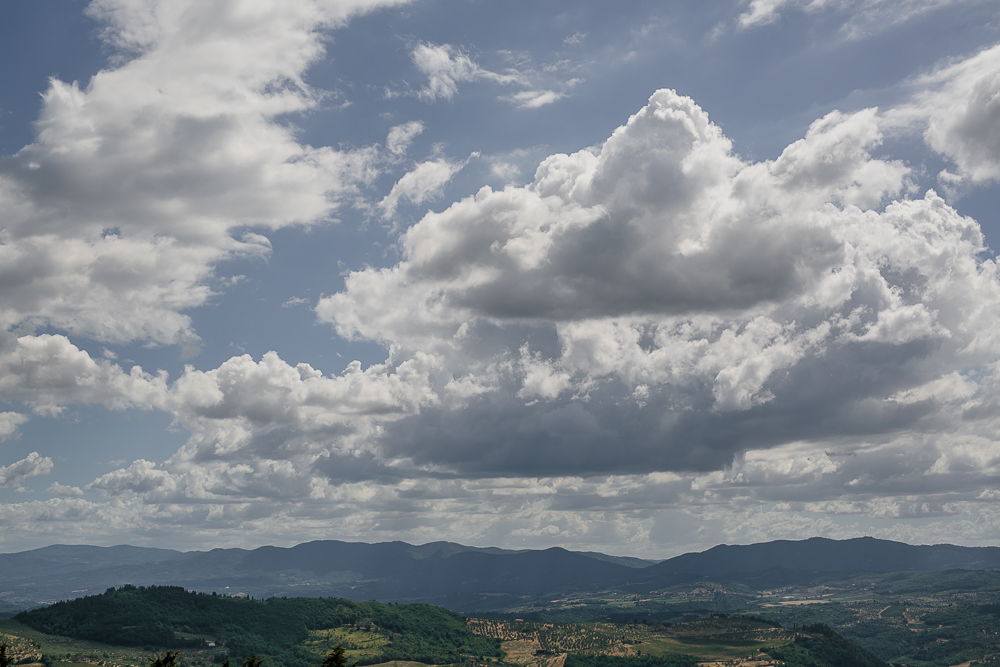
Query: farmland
716	639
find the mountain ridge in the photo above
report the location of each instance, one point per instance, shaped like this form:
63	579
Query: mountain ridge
445	573
825	554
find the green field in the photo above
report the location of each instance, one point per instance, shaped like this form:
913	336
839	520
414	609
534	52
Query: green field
893	611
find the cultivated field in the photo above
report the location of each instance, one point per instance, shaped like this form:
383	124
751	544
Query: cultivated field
716	640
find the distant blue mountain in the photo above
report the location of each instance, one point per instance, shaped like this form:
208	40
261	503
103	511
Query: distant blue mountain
819	554
60	559
443	573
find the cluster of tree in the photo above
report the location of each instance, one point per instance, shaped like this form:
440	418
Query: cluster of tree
822	647
170	617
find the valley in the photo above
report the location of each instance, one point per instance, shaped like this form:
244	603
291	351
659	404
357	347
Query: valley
714	641
443	603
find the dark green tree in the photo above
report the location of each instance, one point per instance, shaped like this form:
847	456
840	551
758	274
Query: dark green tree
168	659
4	660
337	658
252	661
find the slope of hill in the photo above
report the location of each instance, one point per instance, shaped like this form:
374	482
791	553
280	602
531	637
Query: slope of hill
820	646
276	629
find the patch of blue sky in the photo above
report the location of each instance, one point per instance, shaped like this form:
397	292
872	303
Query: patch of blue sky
38	40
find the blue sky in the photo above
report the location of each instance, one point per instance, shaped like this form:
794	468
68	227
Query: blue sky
639	280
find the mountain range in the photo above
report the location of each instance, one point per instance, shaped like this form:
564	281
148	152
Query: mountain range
451	575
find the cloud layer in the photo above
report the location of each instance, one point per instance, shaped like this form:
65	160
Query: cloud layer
650	342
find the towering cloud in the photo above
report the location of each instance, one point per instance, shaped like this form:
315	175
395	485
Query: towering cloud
658	303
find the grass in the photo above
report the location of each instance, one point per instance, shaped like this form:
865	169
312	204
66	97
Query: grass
894	611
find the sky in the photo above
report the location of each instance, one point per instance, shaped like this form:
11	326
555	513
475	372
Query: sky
639	278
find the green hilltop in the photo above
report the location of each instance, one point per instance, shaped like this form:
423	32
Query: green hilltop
294	632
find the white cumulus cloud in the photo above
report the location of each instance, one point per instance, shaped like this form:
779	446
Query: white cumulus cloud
426	181
957	107
401	136
446	67
33	465
57	489
662	260
114	218
10	422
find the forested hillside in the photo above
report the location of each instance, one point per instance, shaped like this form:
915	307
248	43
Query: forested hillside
277	628
822	647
